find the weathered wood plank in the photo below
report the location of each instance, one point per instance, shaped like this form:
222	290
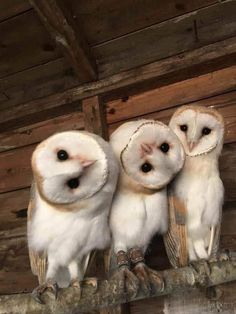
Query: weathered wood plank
195	29
10	8
95	116
39	81
62	29
190	302
225	104
25	35
15	273
13	210
106	20
172	95
170	69
39	131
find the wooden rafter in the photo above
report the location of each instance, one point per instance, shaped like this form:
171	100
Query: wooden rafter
166	71
62	29
111	292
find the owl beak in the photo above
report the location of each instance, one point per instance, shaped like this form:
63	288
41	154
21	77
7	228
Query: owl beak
87	163
191	145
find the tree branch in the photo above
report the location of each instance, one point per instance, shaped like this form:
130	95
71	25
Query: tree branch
111	292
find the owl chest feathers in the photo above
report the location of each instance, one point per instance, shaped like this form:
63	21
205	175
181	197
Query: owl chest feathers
68	234
136	217
199	186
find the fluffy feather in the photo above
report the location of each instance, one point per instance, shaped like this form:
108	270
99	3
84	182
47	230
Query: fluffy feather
198	185
139	208
68	223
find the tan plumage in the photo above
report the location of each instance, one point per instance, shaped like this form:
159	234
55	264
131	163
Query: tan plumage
196	194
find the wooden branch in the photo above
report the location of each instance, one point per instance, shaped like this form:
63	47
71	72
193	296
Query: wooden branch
168	70
63	30
111	292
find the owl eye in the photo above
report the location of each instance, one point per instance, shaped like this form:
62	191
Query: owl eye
73	183
206	131
164	147
62	155
183	127
146	167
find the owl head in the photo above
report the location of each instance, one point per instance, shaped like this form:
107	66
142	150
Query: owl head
70	166
200	129
150	154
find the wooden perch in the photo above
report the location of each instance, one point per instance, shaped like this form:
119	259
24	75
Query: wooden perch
111	292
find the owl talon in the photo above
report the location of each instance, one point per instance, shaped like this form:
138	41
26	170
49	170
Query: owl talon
38	291
75	283
148	278
92	281
127	280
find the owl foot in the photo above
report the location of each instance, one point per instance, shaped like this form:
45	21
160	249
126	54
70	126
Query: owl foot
75	283
38	291
91	281
127	280
148	278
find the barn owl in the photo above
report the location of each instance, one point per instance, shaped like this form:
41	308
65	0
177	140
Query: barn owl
150	155
75	175
196	195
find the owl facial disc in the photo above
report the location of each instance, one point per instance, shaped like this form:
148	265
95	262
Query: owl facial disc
153	155
70	166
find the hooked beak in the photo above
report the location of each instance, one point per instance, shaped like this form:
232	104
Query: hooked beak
191	145
87	163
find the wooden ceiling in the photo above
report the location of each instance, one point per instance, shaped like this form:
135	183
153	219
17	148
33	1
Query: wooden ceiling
55	46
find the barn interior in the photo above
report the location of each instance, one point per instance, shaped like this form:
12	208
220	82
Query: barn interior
94	65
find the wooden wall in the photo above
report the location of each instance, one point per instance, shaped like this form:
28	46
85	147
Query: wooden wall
216	89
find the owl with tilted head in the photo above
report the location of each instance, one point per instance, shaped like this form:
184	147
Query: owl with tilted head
196	194
75	175
150	155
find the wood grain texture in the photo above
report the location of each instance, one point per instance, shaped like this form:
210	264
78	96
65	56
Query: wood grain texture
94	116
167	70
24	43
61	27
10	8
39	81
189	31
39	131
105	20
190	302
172	95
225	104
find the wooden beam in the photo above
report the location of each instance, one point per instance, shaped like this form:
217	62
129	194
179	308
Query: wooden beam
95	116
63	31
164	72
111	292
183	33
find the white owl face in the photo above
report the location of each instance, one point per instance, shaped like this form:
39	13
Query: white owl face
70	166
200	129
149	152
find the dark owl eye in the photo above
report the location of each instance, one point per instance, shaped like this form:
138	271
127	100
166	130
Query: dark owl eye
73	183
146	167
206	131
62	155
164	147
183	127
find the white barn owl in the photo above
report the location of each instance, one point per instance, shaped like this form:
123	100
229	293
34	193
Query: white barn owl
75	175
196	195
150	155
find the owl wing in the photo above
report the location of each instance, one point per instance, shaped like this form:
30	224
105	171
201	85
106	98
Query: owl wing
175	238
38	260
214	243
